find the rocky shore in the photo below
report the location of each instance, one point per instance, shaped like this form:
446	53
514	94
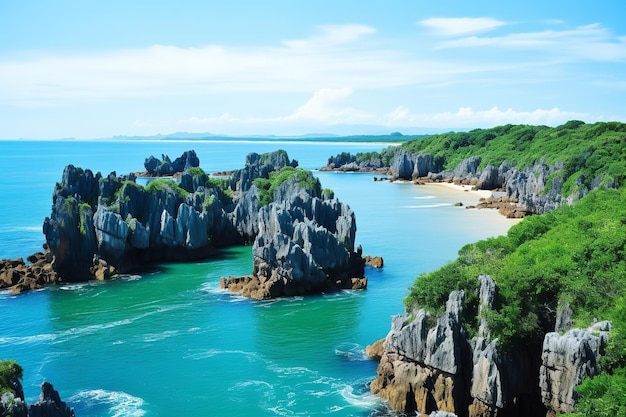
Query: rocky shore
431	363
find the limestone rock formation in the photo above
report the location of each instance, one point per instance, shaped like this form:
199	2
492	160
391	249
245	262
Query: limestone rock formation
407	165
566	361
165	166
303	240
303	243
432	364
50	404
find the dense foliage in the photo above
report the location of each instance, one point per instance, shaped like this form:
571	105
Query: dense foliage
304	178
588	152
575	255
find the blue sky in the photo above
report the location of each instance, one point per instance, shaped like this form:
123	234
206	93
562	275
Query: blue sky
100	69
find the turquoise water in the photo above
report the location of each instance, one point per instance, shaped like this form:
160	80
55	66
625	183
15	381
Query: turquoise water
169	342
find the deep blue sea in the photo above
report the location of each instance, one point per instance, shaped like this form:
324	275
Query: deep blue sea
171	343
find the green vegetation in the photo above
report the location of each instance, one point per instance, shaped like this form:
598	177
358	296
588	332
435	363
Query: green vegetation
575	254
82	211
158	185
267	186
9	371
588	152
602	396
266	157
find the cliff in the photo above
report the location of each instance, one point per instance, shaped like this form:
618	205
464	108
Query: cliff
433	363
539	168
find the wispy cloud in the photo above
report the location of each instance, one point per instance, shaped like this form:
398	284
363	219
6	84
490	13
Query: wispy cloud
467	117
454	26
591	42
332	35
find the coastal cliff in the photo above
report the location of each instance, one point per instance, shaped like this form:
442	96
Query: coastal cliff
433	363
538	168
527	338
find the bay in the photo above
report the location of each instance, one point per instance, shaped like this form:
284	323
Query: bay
167	341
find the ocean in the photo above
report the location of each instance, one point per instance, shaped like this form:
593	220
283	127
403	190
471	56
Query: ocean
168	342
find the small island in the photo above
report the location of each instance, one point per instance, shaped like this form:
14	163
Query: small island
302	237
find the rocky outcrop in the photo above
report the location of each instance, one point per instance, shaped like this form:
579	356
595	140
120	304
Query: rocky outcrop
430	364
567	360
165	166
347	162
303	239
49	404
374	261
407	165
18	276
126	224
304	244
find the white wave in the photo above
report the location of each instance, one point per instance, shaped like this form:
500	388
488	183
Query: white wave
364	400
74	287
120	403
155	337
351	351
63	336
293	370
425	197
251	356
130	277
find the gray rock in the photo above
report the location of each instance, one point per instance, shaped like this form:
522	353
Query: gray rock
408	337
467	169
111	232
445	341
566	361
407	165
50	404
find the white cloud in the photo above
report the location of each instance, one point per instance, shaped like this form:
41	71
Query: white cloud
322	107
451	26
466	117
333	35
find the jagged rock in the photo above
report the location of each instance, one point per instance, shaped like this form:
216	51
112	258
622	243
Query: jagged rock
407	165
112	233
50	404
426	367
466	170
165	166
566	361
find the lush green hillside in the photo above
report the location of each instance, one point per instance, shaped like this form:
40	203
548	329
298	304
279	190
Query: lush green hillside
574	255
587	151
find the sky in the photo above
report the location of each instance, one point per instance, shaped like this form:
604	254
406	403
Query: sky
87	70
